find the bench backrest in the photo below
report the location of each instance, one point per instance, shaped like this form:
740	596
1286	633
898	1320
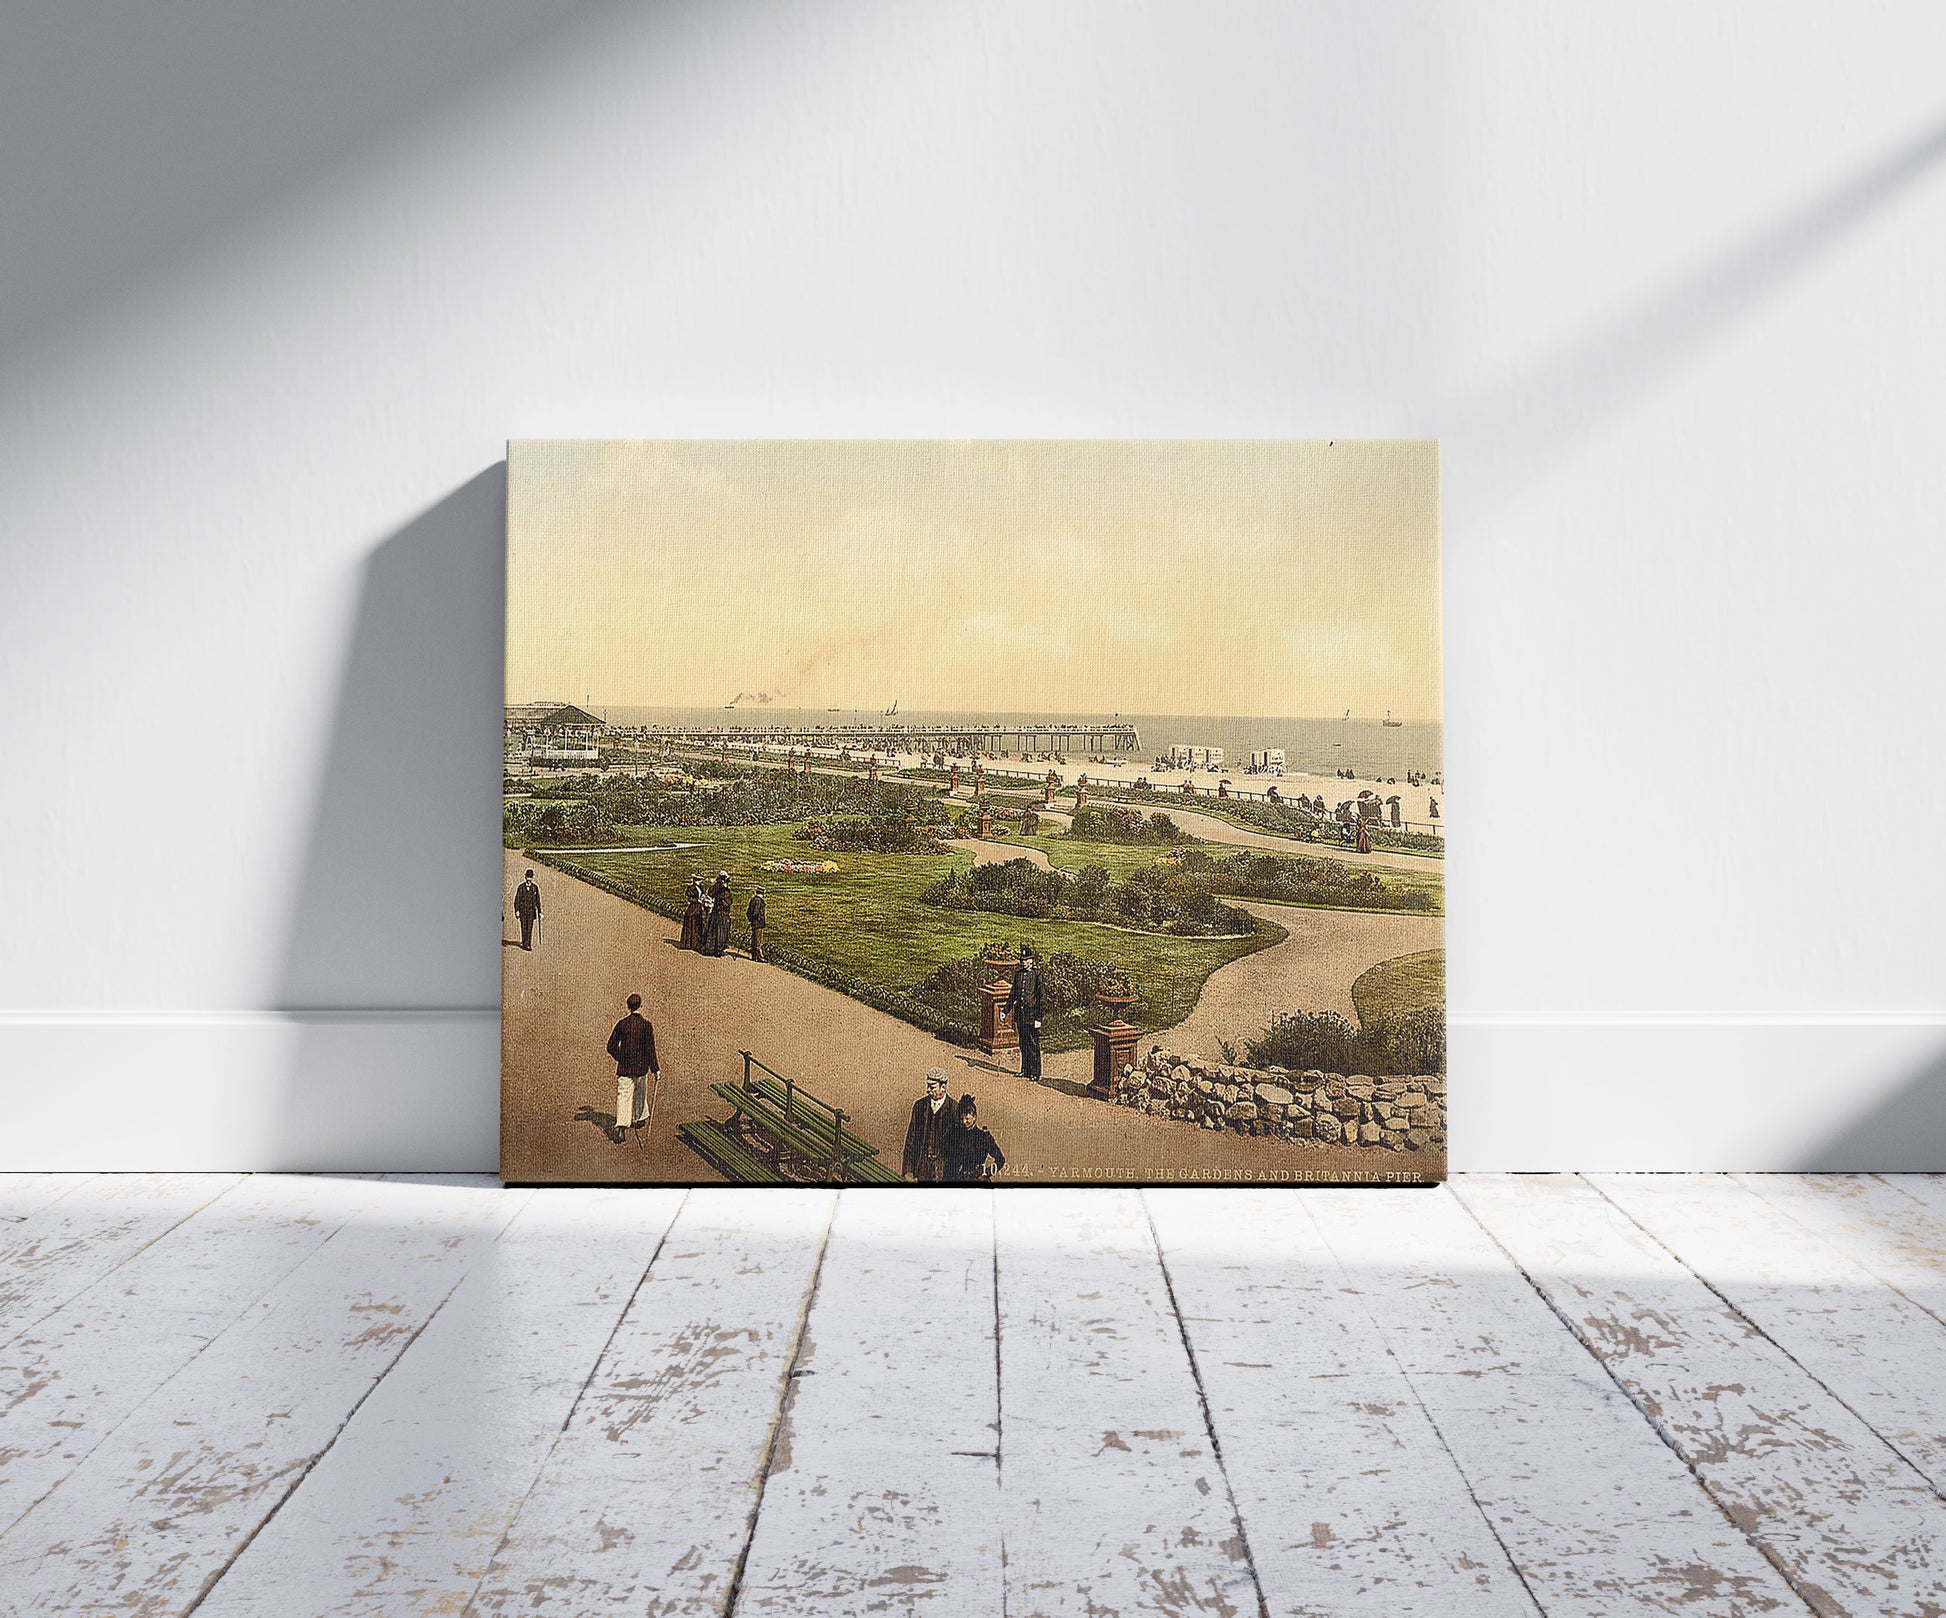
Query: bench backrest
795	1096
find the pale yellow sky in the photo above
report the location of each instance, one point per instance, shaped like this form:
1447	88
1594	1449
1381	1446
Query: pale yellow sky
1254	577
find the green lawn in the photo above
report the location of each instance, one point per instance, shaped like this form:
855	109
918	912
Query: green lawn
1409	983
866	921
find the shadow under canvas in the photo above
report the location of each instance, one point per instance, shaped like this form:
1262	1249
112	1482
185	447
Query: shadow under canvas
391	966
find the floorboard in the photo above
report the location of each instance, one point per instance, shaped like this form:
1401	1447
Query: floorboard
1871	1347
1598	1515
22	1194
1114	1498
404	1513
68	1243
160	1508
1836	1508
884	1496
1531	1396
1351	1502
1894	1225
70	1380
647	1502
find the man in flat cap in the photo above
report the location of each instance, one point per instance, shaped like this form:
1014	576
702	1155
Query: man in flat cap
934	1119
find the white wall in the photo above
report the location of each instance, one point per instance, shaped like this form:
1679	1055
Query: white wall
279	281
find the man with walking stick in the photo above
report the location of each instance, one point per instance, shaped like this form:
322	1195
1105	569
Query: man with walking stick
632	1044
527	906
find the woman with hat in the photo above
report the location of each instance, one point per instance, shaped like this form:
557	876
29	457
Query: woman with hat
719	915
692	916
969	1149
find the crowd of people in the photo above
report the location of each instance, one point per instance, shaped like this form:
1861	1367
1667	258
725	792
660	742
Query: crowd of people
706	918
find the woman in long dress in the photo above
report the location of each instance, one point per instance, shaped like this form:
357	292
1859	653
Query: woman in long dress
719	915
692	916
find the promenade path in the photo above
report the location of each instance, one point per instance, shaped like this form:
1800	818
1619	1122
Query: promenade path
595	949
1215	829
1212	828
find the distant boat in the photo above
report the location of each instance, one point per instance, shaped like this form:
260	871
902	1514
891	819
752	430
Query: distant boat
889	712
1390	723
834	710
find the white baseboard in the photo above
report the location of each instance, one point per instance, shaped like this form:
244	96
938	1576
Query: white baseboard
251	1090
420	1090
1760	1093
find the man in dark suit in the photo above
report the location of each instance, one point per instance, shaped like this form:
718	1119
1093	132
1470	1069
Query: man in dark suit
527	906
1024	1006
934	1119
632	1044
755	912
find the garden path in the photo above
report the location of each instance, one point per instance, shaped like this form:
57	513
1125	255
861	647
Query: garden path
1312	970
562	999
1215	830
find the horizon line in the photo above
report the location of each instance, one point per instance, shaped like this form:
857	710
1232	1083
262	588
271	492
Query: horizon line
874	712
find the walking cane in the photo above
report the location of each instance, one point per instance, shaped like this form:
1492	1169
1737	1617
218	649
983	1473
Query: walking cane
648	1121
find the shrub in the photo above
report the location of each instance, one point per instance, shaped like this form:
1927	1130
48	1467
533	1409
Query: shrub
873	834
1157	899
1298	879
1069	984
1414	1042
1107	824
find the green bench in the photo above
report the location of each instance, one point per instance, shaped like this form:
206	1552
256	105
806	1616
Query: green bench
727	1155
820	1122
779	1133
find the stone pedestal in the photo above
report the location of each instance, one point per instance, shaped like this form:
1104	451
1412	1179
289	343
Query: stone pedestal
986	822
997	1031
1115	1044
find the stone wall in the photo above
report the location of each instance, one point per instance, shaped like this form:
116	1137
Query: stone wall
1325	1109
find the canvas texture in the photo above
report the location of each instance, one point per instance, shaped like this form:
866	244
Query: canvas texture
988	812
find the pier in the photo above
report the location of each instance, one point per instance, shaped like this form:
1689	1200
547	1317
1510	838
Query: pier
1030	737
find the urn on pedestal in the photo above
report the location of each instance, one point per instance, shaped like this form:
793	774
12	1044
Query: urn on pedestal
1115	1038
997	1032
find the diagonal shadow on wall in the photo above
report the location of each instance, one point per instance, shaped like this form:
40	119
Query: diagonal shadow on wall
1516	432
136	141
1905	1134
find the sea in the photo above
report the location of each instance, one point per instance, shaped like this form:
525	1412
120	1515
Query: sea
1367	747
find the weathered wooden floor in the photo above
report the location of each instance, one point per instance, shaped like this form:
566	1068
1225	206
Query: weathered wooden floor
1549	1395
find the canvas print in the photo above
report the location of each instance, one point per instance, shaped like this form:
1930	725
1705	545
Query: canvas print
920	813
